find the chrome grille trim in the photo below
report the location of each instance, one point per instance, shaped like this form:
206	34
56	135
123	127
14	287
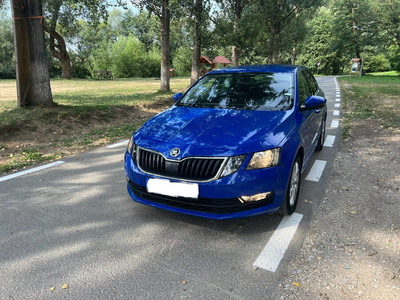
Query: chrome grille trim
156	165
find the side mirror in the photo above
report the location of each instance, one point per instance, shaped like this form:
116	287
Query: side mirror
314	102
177	96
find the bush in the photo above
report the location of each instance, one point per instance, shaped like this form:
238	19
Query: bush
377	63
128	58
394	57
182	61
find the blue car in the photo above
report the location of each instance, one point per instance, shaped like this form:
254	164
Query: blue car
233	145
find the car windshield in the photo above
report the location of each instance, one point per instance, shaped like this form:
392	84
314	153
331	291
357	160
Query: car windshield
259	91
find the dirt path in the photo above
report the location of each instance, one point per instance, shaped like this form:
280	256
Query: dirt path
352	250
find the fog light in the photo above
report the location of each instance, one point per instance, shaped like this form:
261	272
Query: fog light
256	197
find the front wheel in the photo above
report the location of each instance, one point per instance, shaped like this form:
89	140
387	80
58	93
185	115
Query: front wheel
292	191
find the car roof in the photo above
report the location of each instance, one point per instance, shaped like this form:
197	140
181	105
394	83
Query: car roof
258	69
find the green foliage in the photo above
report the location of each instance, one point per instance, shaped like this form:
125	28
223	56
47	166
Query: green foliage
316	47
377	63
182	62
7	64
144	26
129	58
394	57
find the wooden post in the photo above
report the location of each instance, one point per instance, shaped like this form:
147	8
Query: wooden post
22	54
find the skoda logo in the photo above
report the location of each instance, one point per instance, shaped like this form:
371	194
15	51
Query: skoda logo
175	152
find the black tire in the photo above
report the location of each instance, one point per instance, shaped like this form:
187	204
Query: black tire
292	191
321	139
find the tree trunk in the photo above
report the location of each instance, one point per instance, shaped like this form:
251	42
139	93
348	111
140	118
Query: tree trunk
21	48
294	56
271	45
235	50
195	74
165	59
235	56
276	55
61	54
41	90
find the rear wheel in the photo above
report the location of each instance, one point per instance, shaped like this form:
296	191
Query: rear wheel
321	139
292	191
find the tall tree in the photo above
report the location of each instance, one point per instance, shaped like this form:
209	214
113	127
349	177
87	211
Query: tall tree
198	10
385	18
41	90
66	13
161	8
7	63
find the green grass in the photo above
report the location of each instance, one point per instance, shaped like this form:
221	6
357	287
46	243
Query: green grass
85	96
375	97
78	104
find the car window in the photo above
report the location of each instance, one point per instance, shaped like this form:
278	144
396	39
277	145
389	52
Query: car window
311	82
251	91
304	89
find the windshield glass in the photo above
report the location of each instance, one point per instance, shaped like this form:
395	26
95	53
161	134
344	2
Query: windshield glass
260	91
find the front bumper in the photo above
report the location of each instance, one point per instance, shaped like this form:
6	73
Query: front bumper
218	199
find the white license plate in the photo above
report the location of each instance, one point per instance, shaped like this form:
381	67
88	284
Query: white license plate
172	189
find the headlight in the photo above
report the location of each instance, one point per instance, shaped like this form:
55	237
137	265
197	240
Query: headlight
130	144
233	165
265	159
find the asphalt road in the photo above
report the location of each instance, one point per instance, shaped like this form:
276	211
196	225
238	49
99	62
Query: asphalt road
75	224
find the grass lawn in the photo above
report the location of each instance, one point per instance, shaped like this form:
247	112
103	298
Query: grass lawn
86	113
373	96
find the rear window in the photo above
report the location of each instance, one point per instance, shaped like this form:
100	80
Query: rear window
260	91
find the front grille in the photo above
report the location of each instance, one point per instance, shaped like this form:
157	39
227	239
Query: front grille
196	169
206	205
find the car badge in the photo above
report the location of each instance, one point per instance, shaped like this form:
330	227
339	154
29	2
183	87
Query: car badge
175	152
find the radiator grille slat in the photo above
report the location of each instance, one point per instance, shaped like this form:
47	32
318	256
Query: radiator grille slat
201	169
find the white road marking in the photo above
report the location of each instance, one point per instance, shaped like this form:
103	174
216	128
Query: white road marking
337	104
337	99
335	112
330	139
316	170
335	124
118	144
59	162
276	247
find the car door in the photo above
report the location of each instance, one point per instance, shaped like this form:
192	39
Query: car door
308	119
317	118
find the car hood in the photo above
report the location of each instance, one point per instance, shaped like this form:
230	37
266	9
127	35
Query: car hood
214	132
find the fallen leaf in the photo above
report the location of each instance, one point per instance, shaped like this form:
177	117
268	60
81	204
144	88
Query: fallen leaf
77	158
52	288
305	200
184	282
319	258
296	284
65	286
11	155
353	212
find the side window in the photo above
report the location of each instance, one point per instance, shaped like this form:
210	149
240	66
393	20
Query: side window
304	90
311	82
